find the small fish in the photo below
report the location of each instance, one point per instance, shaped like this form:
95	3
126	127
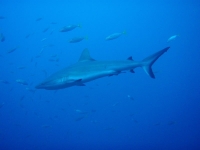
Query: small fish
55	55
30	90
157	124
2	17
2	37
130	97
78	110
38	56
1	105
94	121
69	28
47	45
22	98
13	49
45	73
81	112
38	19
43	39
79	118
21	105
27	36
108	128
4	81
115	104
31	99
53	22
21	67
52	59
93	110
35	113
41	51
114	36
31	59
46	29
17	124
171	123
172	38
77	39
46	126
51	32
57	59
22	82
28	136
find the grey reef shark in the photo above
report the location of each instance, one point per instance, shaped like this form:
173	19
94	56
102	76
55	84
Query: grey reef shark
88	69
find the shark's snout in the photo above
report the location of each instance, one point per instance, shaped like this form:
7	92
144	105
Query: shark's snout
41	85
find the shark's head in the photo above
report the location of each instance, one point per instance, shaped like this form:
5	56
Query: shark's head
66	78
55	83
52	83
45	85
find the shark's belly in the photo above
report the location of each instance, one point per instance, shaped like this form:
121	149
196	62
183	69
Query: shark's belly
88	71
87	76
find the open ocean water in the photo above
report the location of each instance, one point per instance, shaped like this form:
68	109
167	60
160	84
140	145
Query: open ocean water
129	111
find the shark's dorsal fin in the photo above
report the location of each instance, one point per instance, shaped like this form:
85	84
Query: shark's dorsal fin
85	56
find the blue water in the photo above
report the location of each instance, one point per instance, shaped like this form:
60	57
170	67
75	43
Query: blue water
128	111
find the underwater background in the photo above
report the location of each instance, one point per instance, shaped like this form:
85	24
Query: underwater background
128	111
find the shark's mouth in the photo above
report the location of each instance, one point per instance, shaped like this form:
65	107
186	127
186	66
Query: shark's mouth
40	86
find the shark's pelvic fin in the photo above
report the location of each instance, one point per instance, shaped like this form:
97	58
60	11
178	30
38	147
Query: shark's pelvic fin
80	84
132	71
85	56
149	61
130	58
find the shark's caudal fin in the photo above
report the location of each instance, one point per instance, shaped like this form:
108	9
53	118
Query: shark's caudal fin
149	61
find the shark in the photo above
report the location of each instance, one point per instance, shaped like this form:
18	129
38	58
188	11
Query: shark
88	69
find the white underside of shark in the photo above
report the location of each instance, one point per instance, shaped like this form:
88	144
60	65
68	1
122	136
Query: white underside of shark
88	69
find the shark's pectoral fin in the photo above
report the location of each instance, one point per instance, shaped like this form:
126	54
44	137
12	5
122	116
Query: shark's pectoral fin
130	58
79	83
114	72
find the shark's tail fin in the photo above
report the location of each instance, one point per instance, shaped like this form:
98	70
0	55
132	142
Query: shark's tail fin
149	61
